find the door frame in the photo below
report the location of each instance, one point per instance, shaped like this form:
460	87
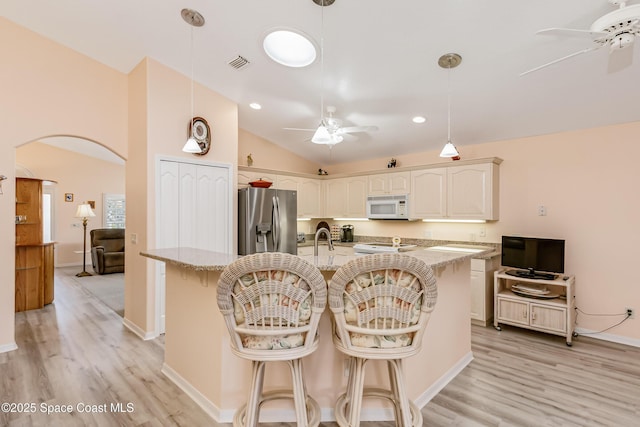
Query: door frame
159	285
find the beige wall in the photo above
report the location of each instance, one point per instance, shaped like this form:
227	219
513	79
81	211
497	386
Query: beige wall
87	178
48	90
159	107
268	155
587	180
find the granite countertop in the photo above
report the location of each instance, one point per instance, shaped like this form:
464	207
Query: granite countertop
203	260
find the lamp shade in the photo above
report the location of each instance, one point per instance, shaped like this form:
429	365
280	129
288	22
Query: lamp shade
449	150
84	211
191	146
322	135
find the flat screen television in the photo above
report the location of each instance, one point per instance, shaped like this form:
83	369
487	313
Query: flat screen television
533	257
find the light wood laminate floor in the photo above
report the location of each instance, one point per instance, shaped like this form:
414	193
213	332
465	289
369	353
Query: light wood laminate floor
76	351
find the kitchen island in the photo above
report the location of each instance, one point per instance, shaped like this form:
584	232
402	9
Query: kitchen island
198	355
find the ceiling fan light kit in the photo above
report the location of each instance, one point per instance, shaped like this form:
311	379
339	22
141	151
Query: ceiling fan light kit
449	61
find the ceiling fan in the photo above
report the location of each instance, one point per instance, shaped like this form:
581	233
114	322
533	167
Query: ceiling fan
617	29
334	131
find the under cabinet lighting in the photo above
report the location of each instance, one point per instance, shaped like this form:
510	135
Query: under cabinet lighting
303	219
468	221
351	219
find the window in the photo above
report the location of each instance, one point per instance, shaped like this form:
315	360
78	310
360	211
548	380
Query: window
114	210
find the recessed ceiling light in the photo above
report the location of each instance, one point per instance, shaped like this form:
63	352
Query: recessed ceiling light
290	48
255	106
419	119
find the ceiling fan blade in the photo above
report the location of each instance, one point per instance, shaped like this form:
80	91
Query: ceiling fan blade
355	129
569	32
306	130
619	59
580	52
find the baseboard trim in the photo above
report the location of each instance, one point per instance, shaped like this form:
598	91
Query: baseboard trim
609	337
69	264
442	382
207	406
326	414
138	331
4	348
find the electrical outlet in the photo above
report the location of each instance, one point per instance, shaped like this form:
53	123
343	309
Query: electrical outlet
542	210
134	238
345	367
483	232
631	313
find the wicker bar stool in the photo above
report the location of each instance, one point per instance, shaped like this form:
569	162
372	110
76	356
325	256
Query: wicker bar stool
380	307
272	303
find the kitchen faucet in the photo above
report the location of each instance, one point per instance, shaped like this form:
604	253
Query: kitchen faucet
315	240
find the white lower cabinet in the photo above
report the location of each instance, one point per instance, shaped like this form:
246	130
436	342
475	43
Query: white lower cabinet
553	314
482	290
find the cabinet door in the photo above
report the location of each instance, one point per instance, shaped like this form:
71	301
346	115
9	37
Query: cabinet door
356	197
285	182
549	318
470	192
477	296
245	177
429	199
513	311
337	196
390	183
310	198
378	185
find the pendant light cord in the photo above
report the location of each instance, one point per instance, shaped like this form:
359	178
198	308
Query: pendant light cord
449	102
322	64
191	82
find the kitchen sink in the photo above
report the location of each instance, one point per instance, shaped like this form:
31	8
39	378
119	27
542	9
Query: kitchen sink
468	249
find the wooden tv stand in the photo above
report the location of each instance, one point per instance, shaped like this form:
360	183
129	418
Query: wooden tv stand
551	315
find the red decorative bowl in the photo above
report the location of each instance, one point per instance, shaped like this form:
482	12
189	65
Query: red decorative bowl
261	184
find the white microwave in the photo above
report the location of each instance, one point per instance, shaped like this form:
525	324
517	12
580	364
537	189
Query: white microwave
388	207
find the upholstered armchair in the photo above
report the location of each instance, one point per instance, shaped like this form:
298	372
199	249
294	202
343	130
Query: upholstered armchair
107	250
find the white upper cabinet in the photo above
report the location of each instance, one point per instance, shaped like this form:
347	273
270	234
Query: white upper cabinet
346	197
389	183
245	177
472	191
456	192
310	198
429	198
286	182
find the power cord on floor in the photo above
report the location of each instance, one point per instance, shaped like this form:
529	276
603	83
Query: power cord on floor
626	314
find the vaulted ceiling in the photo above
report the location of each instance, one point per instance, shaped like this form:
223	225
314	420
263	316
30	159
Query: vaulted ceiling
380	65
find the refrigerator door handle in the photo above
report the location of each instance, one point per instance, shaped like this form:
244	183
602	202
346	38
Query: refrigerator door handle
275	217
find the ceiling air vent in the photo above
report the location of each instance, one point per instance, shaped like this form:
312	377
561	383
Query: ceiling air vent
238	62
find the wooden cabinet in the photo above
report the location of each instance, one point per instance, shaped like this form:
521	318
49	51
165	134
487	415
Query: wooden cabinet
34	257
429	198
456	192
310	198
553	313
346	197
482	289
245	177
389	183
472	191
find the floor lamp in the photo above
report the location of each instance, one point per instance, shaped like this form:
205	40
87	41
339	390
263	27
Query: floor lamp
84	211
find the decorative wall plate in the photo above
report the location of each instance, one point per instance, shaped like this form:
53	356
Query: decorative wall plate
199	129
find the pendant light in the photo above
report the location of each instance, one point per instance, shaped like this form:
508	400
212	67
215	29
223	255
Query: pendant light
195	19
322	135
449	61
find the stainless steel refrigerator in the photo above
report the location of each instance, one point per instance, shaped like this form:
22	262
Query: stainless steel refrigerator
267	220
